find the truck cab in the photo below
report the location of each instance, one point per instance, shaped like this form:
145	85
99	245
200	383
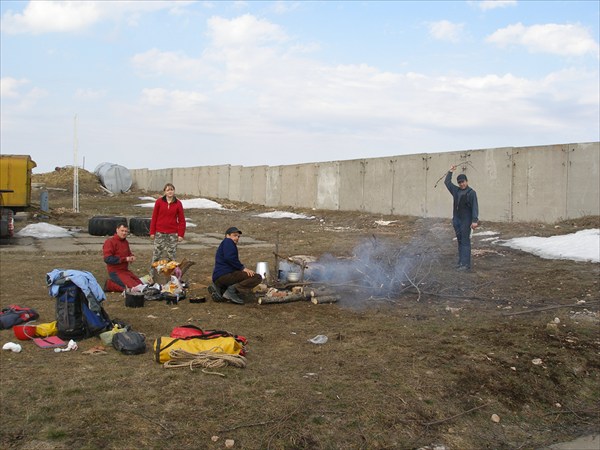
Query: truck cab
15	189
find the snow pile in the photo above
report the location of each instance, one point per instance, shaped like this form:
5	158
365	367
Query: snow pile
192	203
581	246
282	215
44	231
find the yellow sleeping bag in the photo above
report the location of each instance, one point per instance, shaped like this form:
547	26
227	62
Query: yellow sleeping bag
223	344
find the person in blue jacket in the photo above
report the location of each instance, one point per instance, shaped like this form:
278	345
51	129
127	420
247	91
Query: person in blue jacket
229	273
465	215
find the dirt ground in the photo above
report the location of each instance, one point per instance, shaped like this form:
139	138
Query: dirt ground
441	358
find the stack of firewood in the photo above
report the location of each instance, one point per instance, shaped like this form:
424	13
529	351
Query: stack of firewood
317	296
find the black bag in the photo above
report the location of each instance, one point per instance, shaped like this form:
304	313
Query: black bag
129	342
16	315
74	318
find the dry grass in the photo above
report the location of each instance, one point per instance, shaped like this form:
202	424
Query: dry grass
396	372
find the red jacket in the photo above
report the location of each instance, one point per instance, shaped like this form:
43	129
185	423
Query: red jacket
115	251
168	218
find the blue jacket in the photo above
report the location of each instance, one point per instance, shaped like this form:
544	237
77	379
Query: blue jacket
465	207
82	279
226	259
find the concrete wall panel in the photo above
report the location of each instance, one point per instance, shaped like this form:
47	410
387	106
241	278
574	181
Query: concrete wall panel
235	179
273	188
306	186
583	179
328	186
539	183
159	178
259	185
289	186
223	181
378	185
246	184
352	182
212	181
185	180
409	176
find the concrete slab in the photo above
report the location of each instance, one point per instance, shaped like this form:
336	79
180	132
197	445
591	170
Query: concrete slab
85	243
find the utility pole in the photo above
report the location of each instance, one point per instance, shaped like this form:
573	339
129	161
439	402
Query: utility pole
75	171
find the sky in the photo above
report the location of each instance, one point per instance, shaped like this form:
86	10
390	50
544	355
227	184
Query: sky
584	245
200	83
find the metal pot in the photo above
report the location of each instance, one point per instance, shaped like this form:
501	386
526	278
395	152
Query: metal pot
262	268
293	277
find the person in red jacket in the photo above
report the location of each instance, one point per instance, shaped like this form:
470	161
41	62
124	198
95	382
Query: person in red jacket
167	226
117	256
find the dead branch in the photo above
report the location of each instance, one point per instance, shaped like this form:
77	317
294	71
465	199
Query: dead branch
437	422
548	308
245	425
445	173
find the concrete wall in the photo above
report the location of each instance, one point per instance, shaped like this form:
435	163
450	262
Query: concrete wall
543	183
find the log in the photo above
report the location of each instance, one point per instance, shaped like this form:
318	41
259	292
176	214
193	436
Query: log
325	299
285	299
322	292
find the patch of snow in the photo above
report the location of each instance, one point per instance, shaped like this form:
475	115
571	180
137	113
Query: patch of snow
283	215
44	230
486	233
583	245
384	222
191	203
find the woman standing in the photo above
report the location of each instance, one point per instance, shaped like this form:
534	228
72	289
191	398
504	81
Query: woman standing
167	226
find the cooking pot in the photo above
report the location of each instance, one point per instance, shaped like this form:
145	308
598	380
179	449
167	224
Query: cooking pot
262	268
293	277
134	299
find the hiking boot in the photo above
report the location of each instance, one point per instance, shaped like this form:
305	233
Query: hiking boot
232	295
215	293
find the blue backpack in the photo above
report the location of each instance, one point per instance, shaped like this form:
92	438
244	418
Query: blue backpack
74	318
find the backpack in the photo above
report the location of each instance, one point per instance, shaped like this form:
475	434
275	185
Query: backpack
15	315
129	342
74	318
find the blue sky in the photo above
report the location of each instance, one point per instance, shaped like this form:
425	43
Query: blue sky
179	84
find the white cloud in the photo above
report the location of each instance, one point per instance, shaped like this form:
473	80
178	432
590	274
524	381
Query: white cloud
51	16
446	31
71	16
486	5
564	40
9	87
249	70
244	31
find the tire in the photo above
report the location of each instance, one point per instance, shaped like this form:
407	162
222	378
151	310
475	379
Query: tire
139	226
104	225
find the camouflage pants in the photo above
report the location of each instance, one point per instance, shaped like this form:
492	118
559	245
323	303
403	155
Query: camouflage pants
165	247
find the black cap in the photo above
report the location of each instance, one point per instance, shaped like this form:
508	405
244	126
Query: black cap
461	177
233	230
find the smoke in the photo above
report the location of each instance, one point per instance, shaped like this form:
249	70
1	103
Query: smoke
378	268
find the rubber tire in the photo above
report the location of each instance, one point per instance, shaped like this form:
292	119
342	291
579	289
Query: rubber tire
139	226
105	225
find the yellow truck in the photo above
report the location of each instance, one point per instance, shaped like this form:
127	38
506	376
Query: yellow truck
15	189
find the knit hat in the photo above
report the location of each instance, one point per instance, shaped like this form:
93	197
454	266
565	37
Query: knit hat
461	177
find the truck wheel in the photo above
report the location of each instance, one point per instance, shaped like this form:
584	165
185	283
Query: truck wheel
104	225
139	226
